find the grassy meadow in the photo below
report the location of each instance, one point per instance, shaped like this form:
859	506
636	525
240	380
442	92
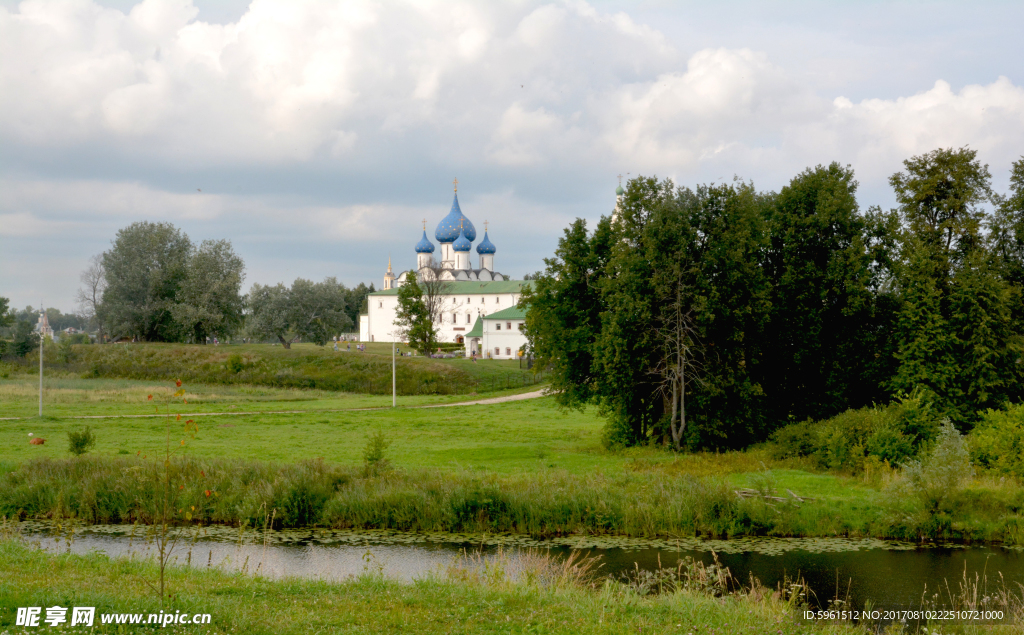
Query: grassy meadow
520	466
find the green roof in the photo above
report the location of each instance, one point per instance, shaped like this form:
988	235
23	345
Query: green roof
512	313
477	330
473	287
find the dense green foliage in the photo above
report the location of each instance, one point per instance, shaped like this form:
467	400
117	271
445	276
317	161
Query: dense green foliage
413	317
997	442
160	287
788	306
848	441
312	311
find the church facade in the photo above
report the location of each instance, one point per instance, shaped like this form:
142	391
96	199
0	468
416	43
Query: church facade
472	292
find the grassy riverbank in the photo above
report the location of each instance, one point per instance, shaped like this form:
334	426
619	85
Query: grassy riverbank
543	502
548	598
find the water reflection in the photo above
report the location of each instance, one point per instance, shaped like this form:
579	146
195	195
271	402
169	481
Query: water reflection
890	575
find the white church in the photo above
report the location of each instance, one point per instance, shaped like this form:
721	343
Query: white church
481	308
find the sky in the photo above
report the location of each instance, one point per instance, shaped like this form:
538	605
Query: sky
316	136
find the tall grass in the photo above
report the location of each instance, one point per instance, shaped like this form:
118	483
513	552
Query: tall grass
543	503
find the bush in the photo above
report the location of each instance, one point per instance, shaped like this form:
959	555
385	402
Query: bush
80	441
943	469
795	440
997	442
373	455
234	363
893	433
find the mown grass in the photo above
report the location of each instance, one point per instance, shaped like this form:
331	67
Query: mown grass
302	366
458	600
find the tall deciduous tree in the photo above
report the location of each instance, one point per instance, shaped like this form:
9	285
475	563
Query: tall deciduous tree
413	319
90	294
145	269
819	359
313	311
564	318
209	302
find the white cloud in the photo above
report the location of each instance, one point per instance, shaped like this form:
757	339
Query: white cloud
296	93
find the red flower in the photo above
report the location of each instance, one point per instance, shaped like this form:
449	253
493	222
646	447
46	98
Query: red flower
177	382
207	492
150	398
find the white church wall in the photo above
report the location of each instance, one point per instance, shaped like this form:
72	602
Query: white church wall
503	343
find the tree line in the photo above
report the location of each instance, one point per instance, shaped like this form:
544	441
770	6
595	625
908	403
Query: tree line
156	285
710	316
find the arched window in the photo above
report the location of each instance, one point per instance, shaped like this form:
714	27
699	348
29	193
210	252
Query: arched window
468	318
380	305
497	351
508	351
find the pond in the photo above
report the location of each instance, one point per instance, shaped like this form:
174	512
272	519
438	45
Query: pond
891	575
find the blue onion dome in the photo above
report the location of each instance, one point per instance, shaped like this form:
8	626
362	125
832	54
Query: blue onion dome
424	246
486	246
448	229
462	243
619	191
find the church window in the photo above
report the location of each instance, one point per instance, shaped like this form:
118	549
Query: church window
468	318
380	305
497	351
508	326
497	300
497	326
520	325
454	317
508	351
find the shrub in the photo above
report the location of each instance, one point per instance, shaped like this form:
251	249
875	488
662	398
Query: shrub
795	440
80	441
887	444
943	469
373	455
997	442
235	364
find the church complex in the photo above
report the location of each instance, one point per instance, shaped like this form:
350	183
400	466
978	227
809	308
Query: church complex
481	306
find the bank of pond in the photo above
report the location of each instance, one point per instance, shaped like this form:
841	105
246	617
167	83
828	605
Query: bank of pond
650	501
868	576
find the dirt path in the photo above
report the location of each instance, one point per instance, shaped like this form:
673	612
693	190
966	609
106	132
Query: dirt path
480	402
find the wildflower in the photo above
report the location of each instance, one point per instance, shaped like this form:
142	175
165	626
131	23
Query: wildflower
207	492
177	383
149	397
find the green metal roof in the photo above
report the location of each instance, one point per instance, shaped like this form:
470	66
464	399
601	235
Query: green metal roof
475	288
512	313
477	330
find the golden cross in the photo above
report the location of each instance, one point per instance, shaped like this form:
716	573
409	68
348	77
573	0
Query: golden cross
620	179
455	182
485	227
424	224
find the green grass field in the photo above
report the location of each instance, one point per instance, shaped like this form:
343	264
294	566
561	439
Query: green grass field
524	452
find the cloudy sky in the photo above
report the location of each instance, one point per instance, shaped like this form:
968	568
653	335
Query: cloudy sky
316	135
